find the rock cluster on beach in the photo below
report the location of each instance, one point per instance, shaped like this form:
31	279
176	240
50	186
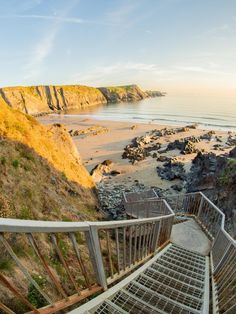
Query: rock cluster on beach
111	196
172	170
103	169
91	131
141	146
185	145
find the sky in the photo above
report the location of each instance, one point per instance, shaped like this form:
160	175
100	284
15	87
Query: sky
171	45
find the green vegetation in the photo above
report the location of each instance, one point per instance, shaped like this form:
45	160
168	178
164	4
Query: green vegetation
6	264
25	213
118	89
229	173
15	163
64	247
3	160
27	155
34	296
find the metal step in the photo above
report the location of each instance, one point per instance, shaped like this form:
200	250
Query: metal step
174	282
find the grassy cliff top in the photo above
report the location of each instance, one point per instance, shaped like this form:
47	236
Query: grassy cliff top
52	143
121	88
41	174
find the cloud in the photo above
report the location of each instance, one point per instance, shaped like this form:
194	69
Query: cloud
45	45
212	68
220	32
54	18
122	72
121	13
221	28
40	51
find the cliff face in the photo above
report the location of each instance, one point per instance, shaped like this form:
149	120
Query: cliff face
41	172
216	177
128	93
36	100
46	99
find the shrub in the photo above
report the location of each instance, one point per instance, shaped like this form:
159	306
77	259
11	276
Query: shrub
15	163
6	264
27	155
25	213
3	160
34	296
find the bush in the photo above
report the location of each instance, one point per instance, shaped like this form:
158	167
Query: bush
3	160
25	213
34	296
6	264
27	155
15	163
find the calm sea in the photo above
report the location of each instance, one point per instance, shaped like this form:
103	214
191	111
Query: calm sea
208	112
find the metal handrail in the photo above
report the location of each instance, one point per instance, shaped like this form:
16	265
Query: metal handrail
223	250
113	249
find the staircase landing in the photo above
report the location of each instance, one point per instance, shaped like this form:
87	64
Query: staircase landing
189	235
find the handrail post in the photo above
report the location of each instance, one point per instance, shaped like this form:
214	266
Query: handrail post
200	206
96	256
156	233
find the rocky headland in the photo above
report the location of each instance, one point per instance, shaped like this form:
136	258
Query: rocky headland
38	100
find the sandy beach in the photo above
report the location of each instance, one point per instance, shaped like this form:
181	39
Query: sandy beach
94	149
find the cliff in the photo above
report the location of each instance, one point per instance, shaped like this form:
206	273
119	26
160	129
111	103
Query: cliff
216	176
36	100
46	99
128	93
42	175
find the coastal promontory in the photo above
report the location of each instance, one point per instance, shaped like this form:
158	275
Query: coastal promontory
36	100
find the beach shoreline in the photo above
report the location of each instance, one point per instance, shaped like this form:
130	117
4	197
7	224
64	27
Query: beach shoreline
110	145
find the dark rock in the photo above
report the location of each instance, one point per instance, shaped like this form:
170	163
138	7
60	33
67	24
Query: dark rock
207	136
114	172
111	197
218	139
192	126
232	153
185	145
163	158
216	176
177	187
231	141
172	170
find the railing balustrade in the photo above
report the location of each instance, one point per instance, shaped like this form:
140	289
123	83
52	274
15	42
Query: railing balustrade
223	251
65	262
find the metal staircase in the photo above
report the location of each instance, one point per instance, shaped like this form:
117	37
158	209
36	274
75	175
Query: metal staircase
176	281
146	264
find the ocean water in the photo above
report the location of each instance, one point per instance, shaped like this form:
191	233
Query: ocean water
209	112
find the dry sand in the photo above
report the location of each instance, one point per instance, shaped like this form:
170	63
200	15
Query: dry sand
97	148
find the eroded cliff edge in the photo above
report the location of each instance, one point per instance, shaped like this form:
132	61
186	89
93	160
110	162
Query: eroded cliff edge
37	100
46	99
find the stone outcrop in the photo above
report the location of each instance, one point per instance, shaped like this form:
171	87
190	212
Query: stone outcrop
216	176
91	131
185	145
154	93
100	170
172	170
